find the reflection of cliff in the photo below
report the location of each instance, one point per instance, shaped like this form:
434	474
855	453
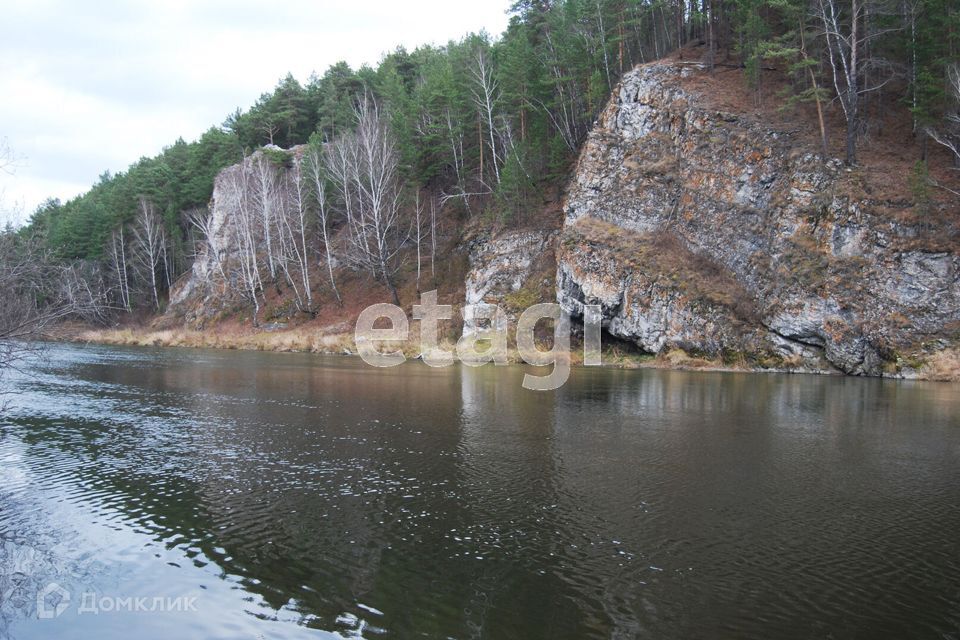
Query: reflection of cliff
522	526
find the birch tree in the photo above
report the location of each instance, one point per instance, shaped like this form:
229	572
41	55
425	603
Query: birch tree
485	97
265	200
118	257
846	36
202	222
318	182
148	242
949	134
433	240
363	165
245	227
420	232
294	258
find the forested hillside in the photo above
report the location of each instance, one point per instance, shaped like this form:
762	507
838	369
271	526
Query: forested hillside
483	127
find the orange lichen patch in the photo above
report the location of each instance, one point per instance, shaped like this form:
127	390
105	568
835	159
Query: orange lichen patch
836	328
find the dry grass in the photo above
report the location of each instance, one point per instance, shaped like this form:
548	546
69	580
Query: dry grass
943	366
680	359
294	340
663	255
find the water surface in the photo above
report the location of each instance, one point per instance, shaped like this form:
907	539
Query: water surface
294	495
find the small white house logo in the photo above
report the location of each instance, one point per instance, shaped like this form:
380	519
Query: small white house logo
52	601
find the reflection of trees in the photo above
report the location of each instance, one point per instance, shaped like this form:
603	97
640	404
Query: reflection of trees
510	469
722	480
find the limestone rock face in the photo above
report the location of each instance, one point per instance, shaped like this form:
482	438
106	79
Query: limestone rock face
204	291
693	229
709	232
213	285
503	272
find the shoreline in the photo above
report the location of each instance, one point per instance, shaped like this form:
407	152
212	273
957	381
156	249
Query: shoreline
313	341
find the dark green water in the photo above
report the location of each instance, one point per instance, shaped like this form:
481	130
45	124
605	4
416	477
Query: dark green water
303	496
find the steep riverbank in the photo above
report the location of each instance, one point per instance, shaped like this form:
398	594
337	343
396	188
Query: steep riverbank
709	237
722	235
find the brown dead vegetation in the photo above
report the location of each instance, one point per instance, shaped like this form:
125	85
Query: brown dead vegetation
888	152
943	366
665	257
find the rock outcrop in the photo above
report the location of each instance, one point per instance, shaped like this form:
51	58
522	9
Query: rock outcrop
207	289
693	229
212	285
508	271
710	232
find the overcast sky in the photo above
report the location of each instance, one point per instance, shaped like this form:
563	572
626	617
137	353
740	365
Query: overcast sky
92	86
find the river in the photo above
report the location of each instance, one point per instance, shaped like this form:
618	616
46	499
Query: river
217	494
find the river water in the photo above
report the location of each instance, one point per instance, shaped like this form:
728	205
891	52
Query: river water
166	493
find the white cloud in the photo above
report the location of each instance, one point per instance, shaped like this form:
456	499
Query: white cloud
90	87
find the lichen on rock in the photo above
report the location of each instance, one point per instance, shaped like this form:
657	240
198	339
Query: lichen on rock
708	215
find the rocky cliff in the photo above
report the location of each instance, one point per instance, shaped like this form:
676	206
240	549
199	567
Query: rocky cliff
212	285
710	232
699	230
511	271
203	293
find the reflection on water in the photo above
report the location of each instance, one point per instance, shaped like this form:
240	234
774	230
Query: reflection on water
301	495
